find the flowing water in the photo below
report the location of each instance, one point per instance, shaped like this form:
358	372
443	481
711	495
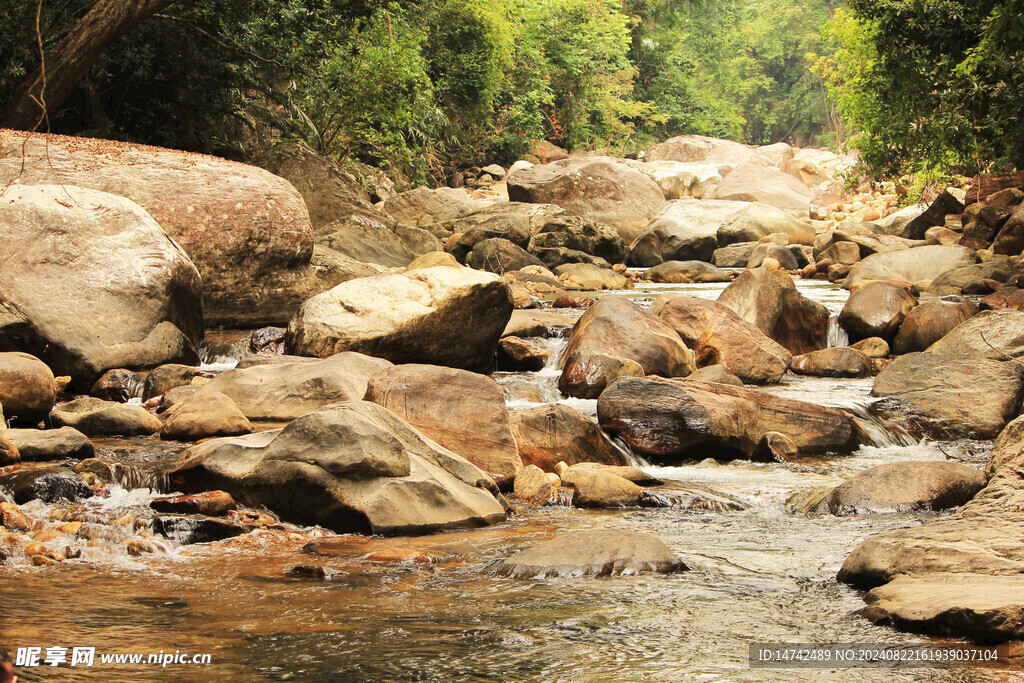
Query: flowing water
759	572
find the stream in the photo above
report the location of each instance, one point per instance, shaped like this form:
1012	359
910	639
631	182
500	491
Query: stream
758	573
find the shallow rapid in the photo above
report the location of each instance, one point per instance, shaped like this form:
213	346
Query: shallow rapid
759	572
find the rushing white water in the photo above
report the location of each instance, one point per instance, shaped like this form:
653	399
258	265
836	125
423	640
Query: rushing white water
836	333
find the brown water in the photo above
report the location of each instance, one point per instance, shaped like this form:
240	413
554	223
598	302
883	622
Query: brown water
758	574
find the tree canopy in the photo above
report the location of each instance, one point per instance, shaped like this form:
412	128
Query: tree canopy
931	86
422	87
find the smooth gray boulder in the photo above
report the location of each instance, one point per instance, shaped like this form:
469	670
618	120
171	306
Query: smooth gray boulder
287	390
351	467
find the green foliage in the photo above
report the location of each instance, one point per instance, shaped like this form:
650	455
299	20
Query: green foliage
423	88
737	68
934	86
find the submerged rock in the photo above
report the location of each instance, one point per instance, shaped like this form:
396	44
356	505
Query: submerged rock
903	487
444	316
48	484
611	552
672	419
351	467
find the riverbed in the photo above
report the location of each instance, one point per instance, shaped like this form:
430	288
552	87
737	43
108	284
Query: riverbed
759	572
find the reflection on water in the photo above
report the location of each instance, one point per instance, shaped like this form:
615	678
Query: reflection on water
758	574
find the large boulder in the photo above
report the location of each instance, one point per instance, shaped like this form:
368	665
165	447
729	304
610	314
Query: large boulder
600	189
246	230
977	606
500	256
422	206
980	543
757	220
770	301
904	487
444	316
51	444
946	395
691	148
203	415
681	180
755	183
718	335
351	467
91	283
876	310
931	321
365	240
578	234
26	386
1010	239
329	192
463	411
609	552
998	335
287	390
95	417
685	230
555	433
979	278
619	328
911	265
510	227
672	419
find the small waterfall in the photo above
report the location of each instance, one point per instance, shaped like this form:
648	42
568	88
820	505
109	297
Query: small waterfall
836	334
632	459
873	430
222	359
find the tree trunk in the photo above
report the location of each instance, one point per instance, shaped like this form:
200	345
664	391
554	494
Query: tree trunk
107	21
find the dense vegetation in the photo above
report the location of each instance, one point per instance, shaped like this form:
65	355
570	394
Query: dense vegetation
421	87
933	87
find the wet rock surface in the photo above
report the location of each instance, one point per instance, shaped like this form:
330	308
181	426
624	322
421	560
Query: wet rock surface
593	553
